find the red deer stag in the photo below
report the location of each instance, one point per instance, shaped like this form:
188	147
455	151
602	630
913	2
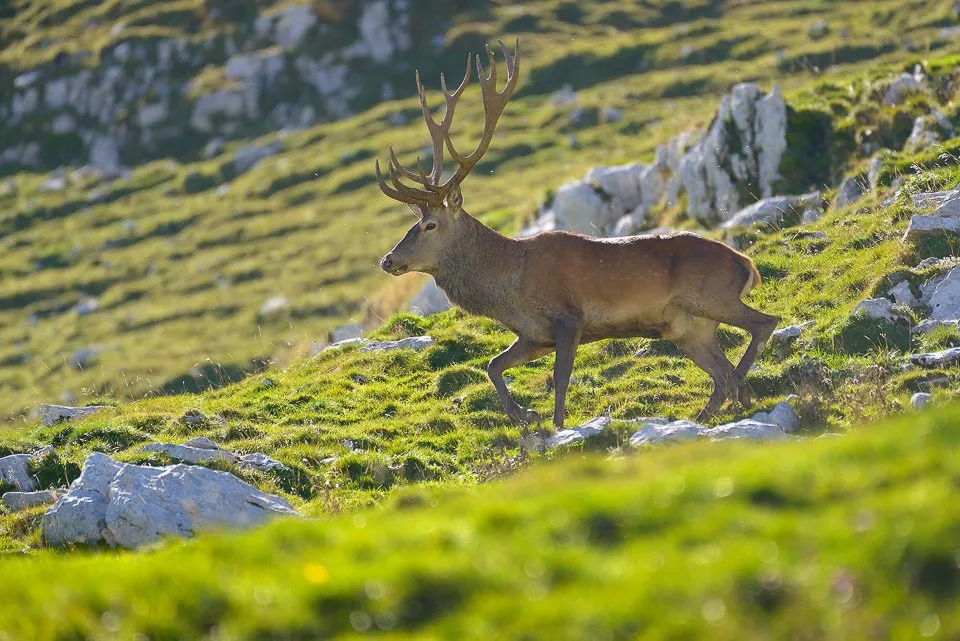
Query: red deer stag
556	290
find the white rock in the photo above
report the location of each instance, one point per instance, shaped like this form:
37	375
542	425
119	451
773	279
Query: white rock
578	207
247	157
350	330
383	35
190	454
873	173
747	429
104	153
922	226
920	400
15	471
273	305
936	359
86	305
429	300
347	343
904	85
262	462
773	210
545	222
782	415
877	308
902	295
200	442
721	166
152	115
213	148
130	505
928	326
63	124
25	80
928	131
627	226
944	300
53	414
658	431
16	501
564	96
293	22
621	183
579	434
229	104
416	343
789	334
84	356
849	192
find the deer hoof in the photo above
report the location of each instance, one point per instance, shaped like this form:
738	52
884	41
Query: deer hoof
523	416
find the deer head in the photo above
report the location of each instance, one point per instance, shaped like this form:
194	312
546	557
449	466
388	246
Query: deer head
437	204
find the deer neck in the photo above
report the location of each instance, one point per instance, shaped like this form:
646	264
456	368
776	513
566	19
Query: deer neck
483	271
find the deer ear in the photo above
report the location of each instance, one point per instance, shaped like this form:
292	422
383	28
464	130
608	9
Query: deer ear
415	209
454	200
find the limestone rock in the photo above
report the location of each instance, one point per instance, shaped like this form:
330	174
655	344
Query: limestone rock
15	471
920	400
904	85
190	454
789	334
928	131
937	359
877	308
16	501
293	22
545	222
262	462
130	505
273	305
52	414
416	343
773	210
429	300
927	326
347	343
249	156
782	415
747	429
578	207
579	434
344	332
740	153
922	226
944	300
902	294
849	192
658	431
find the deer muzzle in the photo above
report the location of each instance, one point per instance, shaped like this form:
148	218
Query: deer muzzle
391	266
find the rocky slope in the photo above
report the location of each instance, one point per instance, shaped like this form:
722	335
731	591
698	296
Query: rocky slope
202	211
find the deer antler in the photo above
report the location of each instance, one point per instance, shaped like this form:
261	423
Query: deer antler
494	102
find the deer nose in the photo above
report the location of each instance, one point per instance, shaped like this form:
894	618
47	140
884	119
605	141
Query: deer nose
386	263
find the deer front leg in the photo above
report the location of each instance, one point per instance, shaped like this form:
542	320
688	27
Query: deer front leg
521	351
567	336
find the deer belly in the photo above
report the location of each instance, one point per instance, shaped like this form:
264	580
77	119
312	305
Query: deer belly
669	324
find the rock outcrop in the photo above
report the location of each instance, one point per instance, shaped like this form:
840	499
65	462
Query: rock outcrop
130	505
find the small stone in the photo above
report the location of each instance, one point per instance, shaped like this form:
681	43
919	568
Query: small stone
190	454
922	226
937	359
416	343
262	462
920	400
15	471
273	305
929	325
782	415
52	414
16	501
657	431
902	294
849	192
877	308
579	434
789	334
346	332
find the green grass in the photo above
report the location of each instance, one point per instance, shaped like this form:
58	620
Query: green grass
851	537
181	269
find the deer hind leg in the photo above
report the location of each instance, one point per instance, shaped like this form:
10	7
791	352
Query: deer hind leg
520	352
567	337
737	313
701	346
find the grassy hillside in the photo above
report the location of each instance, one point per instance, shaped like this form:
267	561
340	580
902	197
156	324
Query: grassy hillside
851	537
181	255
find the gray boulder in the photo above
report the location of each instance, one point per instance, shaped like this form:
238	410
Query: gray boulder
774	209
429	300
16	501
942	295
902	294
747	429
15	471
927	326
903	86
739	154
342	333
659	431
579	207
52	414
922	226
789	334
936	359
850	191
249	156
579	434
190	454
131	506
416	343
920	400
878	309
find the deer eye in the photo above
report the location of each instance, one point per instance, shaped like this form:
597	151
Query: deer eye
430	226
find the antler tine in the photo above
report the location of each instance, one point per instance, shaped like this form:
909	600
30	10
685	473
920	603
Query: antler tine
401	192
494	102
403	171
439	131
